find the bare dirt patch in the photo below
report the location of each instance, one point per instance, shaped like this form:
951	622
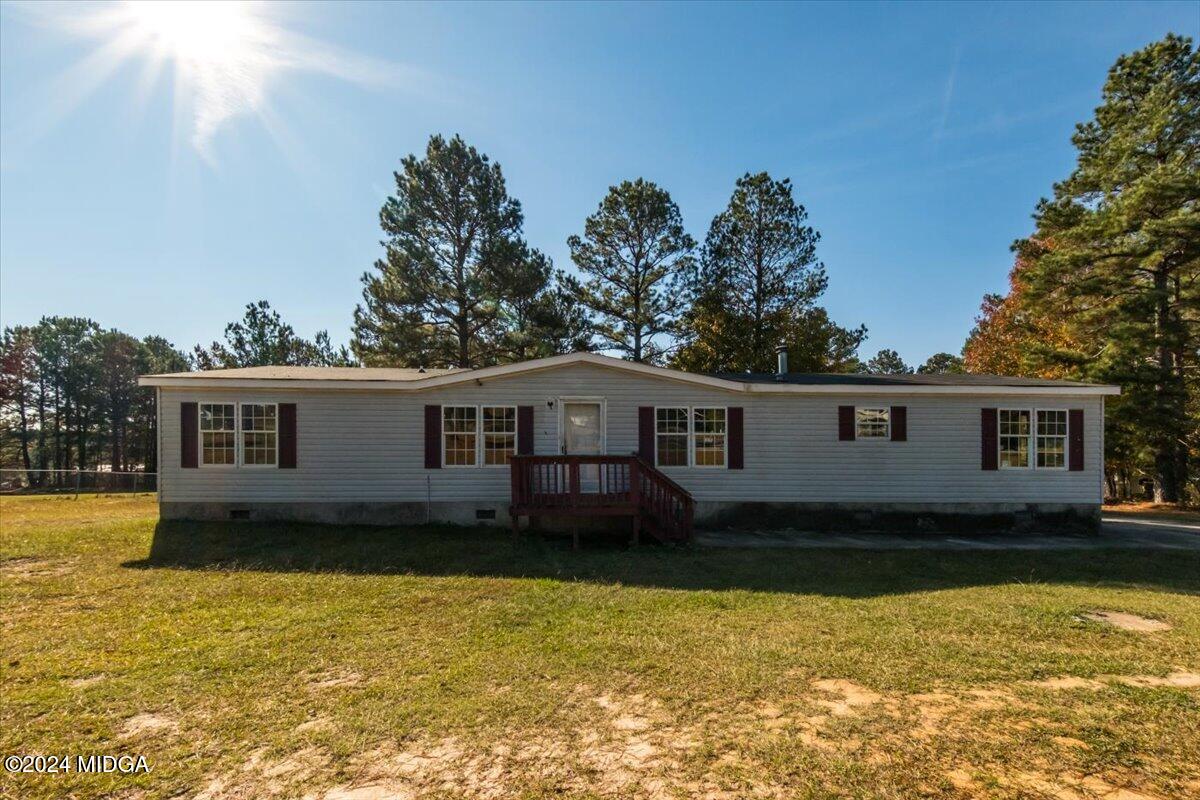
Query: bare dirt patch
146	725
33	567
85	682
1127	622
333	680
851	696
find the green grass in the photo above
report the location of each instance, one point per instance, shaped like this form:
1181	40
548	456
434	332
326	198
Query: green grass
284	660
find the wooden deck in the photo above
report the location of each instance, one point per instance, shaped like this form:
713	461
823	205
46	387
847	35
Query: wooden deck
590	486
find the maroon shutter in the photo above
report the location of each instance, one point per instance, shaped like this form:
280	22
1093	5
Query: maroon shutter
988	432
1075	439
736	423
524	430
899	423
433	437
189	433
287	435
646	432
846	423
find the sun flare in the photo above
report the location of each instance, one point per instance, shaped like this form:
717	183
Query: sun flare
196	31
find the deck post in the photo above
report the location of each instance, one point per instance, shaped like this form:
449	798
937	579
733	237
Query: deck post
635	498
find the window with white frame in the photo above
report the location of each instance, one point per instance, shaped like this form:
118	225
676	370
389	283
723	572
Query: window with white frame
218	437
872	423
1052	439
671	437
259	428
499	434
708	431
460	435
1015	435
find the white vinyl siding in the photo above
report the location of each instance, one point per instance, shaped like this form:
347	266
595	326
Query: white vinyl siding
368	446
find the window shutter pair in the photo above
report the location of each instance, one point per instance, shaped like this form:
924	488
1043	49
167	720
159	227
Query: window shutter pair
735	428
433	434
990	432
189	435
899	423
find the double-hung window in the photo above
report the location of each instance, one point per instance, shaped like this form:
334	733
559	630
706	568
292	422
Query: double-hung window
1014	438
872	423
671	437
1052	439
218	437
708	435
686	436
499	434
460	437
259	427
479	435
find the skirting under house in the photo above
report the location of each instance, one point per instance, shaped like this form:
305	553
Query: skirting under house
577	438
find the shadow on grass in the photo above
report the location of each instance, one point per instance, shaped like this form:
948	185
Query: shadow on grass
481	552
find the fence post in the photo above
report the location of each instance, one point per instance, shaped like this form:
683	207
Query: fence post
76	483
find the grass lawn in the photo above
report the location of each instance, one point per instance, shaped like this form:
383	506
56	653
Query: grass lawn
248	661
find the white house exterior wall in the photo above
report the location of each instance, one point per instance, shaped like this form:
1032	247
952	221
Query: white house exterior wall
368	446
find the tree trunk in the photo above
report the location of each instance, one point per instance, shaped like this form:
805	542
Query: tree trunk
1166	477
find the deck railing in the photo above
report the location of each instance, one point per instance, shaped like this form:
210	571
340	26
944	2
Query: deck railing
588	485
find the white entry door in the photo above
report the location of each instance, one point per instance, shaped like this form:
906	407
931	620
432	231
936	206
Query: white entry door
583	434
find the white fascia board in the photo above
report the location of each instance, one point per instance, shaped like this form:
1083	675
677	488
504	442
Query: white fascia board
607	362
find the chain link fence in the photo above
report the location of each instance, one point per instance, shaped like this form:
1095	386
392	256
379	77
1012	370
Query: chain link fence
74	481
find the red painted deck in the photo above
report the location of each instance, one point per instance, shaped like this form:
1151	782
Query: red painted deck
565	486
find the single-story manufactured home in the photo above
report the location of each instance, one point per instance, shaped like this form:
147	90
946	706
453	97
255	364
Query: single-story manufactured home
586	436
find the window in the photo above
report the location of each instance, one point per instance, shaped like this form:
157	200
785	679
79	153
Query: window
1014	438
708	426
258	434
1052	439
671	434
218	442
872	423
459	435
499	434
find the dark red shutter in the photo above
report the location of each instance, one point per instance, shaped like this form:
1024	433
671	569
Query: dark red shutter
988	433
646	432
524	430
189	434
846	423
433	437
1075	438
287	435
899	423
736	423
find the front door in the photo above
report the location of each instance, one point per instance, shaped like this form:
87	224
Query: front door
583	435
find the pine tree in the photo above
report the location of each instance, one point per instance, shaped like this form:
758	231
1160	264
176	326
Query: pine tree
887	362
758	272
453	231
756	285
633	252
1116	252
261	338
942	364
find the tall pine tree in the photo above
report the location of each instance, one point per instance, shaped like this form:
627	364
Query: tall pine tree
756	286
634	253
1116	252
454	257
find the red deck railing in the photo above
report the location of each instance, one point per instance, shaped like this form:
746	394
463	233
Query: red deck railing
601	485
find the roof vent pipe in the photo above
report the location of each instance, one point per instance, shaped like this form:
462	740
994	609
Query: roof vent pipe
781	355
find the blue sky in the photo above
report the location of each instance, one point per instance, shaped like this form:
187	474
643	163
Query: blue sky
155	198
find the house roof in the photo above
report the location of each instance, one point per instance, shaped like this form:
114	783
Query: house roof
859	379
289	373
412	380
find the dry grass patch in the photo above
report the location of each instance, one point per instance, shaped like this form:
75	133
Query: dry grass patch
351	663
